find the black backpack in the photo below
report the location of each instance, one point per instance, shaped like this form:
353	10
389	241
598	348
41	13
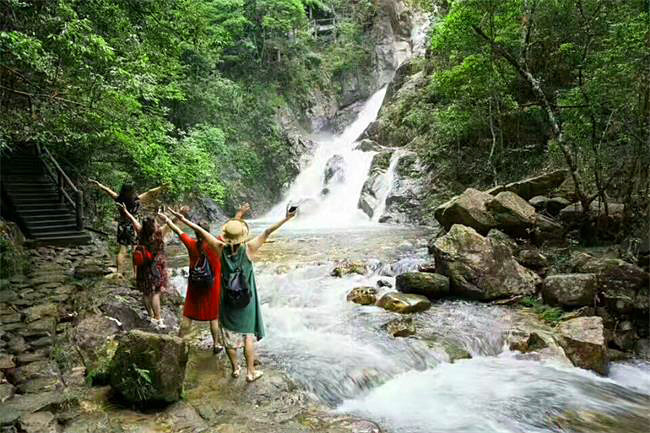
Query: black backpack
237	294
201	275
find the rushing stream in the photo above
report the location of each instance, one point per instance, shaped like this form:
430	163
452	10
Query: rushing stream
339	352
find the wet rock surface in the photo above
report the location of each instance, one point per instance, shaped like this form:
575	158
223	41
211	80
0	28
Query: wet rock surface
363	295
480	268
433	286
583	341
404	303
570	290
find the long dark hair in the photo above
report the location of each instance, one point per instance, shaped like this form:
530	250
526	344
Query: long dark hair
151	236
129	197
199	238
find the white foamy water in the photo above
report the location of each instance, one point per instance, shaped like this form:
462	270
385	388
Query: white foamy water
339	206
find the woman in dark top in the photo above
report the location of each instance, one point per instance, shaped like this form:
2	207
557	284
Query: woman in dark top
151	264
126	236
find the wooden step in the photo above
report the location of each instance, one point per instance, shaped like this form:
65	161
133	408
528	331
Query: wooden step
37	230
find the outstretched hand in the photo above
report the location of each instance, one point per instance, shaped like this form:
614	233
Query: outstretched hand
176	213
164	217
244	208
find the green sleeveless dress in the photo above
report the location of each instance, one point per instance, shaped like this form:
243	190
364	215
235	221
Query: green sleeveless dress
247	320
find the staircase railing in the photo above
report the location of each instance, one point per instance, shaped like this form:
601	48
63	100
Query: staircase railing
63	182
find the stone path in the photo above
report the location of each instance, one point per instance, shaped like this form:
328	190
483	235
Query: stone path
37	313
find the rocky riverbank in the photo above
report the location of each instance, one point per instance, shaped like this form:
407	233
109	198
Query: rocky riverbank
61	323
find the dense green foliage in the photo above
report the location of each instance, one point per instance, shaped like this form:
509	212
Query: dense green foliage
182	92
479	114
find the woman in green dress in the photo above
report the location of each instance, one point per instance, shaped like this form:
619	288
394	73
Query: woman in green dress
240	325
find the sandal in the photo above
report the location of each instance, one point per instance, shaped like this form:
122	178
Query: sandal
255	376
217	350
236	372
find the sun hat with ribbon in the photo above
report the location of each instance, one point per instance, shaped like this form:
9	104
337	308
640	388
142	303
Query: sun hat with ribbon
234	232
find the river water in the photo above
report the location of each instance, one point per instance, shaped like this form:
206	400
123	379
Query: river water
339	352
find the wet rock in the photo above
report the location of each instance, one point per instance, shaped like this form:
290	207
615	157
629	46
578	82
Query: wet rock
400	327
525	342
334	170
532	259
583	341
468	209
624	336
512	213
433	286
570	290
384	283
363	295
39	422
349	267
533	186
404	199
479	268
403	303
149	368
371	191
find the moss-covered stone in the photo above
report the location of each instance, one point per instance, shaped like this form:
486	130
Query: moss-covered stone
149	368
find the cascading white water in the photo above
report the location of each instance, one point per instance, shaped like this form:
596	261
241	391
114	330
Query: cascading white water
337	207
386	185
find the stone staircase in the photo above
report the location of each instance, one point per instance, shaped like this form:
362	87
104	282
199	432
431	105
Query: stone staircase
37	199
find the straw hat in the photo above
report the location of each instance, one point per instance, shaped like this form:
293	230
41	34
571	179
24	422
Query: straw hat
234	232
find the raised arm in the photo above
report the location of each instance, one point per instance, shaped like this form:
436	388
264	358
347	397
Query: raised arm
215	243
136	225
170	224
243	210
104	188
258	241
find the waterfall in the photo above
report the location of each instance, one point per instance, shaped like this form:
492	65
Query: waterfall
386	185
332	200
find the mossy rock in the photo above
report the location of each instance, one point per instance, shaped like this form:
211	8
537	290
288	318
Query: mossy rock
149	368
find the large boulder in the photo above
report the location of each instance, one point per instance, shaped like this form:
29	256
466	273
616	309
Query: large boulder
583	341
512	213
533	186
468	209
403	303
372	188
149	368
481	268
547	229
613	274
433	286
570	290
94	338
404	200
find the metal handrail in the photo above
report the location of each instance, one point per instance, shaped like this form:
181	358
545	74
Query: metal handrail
59	176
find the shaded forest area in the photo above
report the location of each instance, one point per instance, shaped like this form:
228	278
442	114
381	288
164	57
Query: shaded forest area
177	92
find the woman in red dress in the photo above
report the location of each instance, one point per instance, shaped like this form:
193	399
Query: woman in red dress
202	303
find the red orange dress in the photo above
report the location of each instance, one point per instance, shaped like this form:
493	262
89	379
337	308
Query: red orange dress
202	304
